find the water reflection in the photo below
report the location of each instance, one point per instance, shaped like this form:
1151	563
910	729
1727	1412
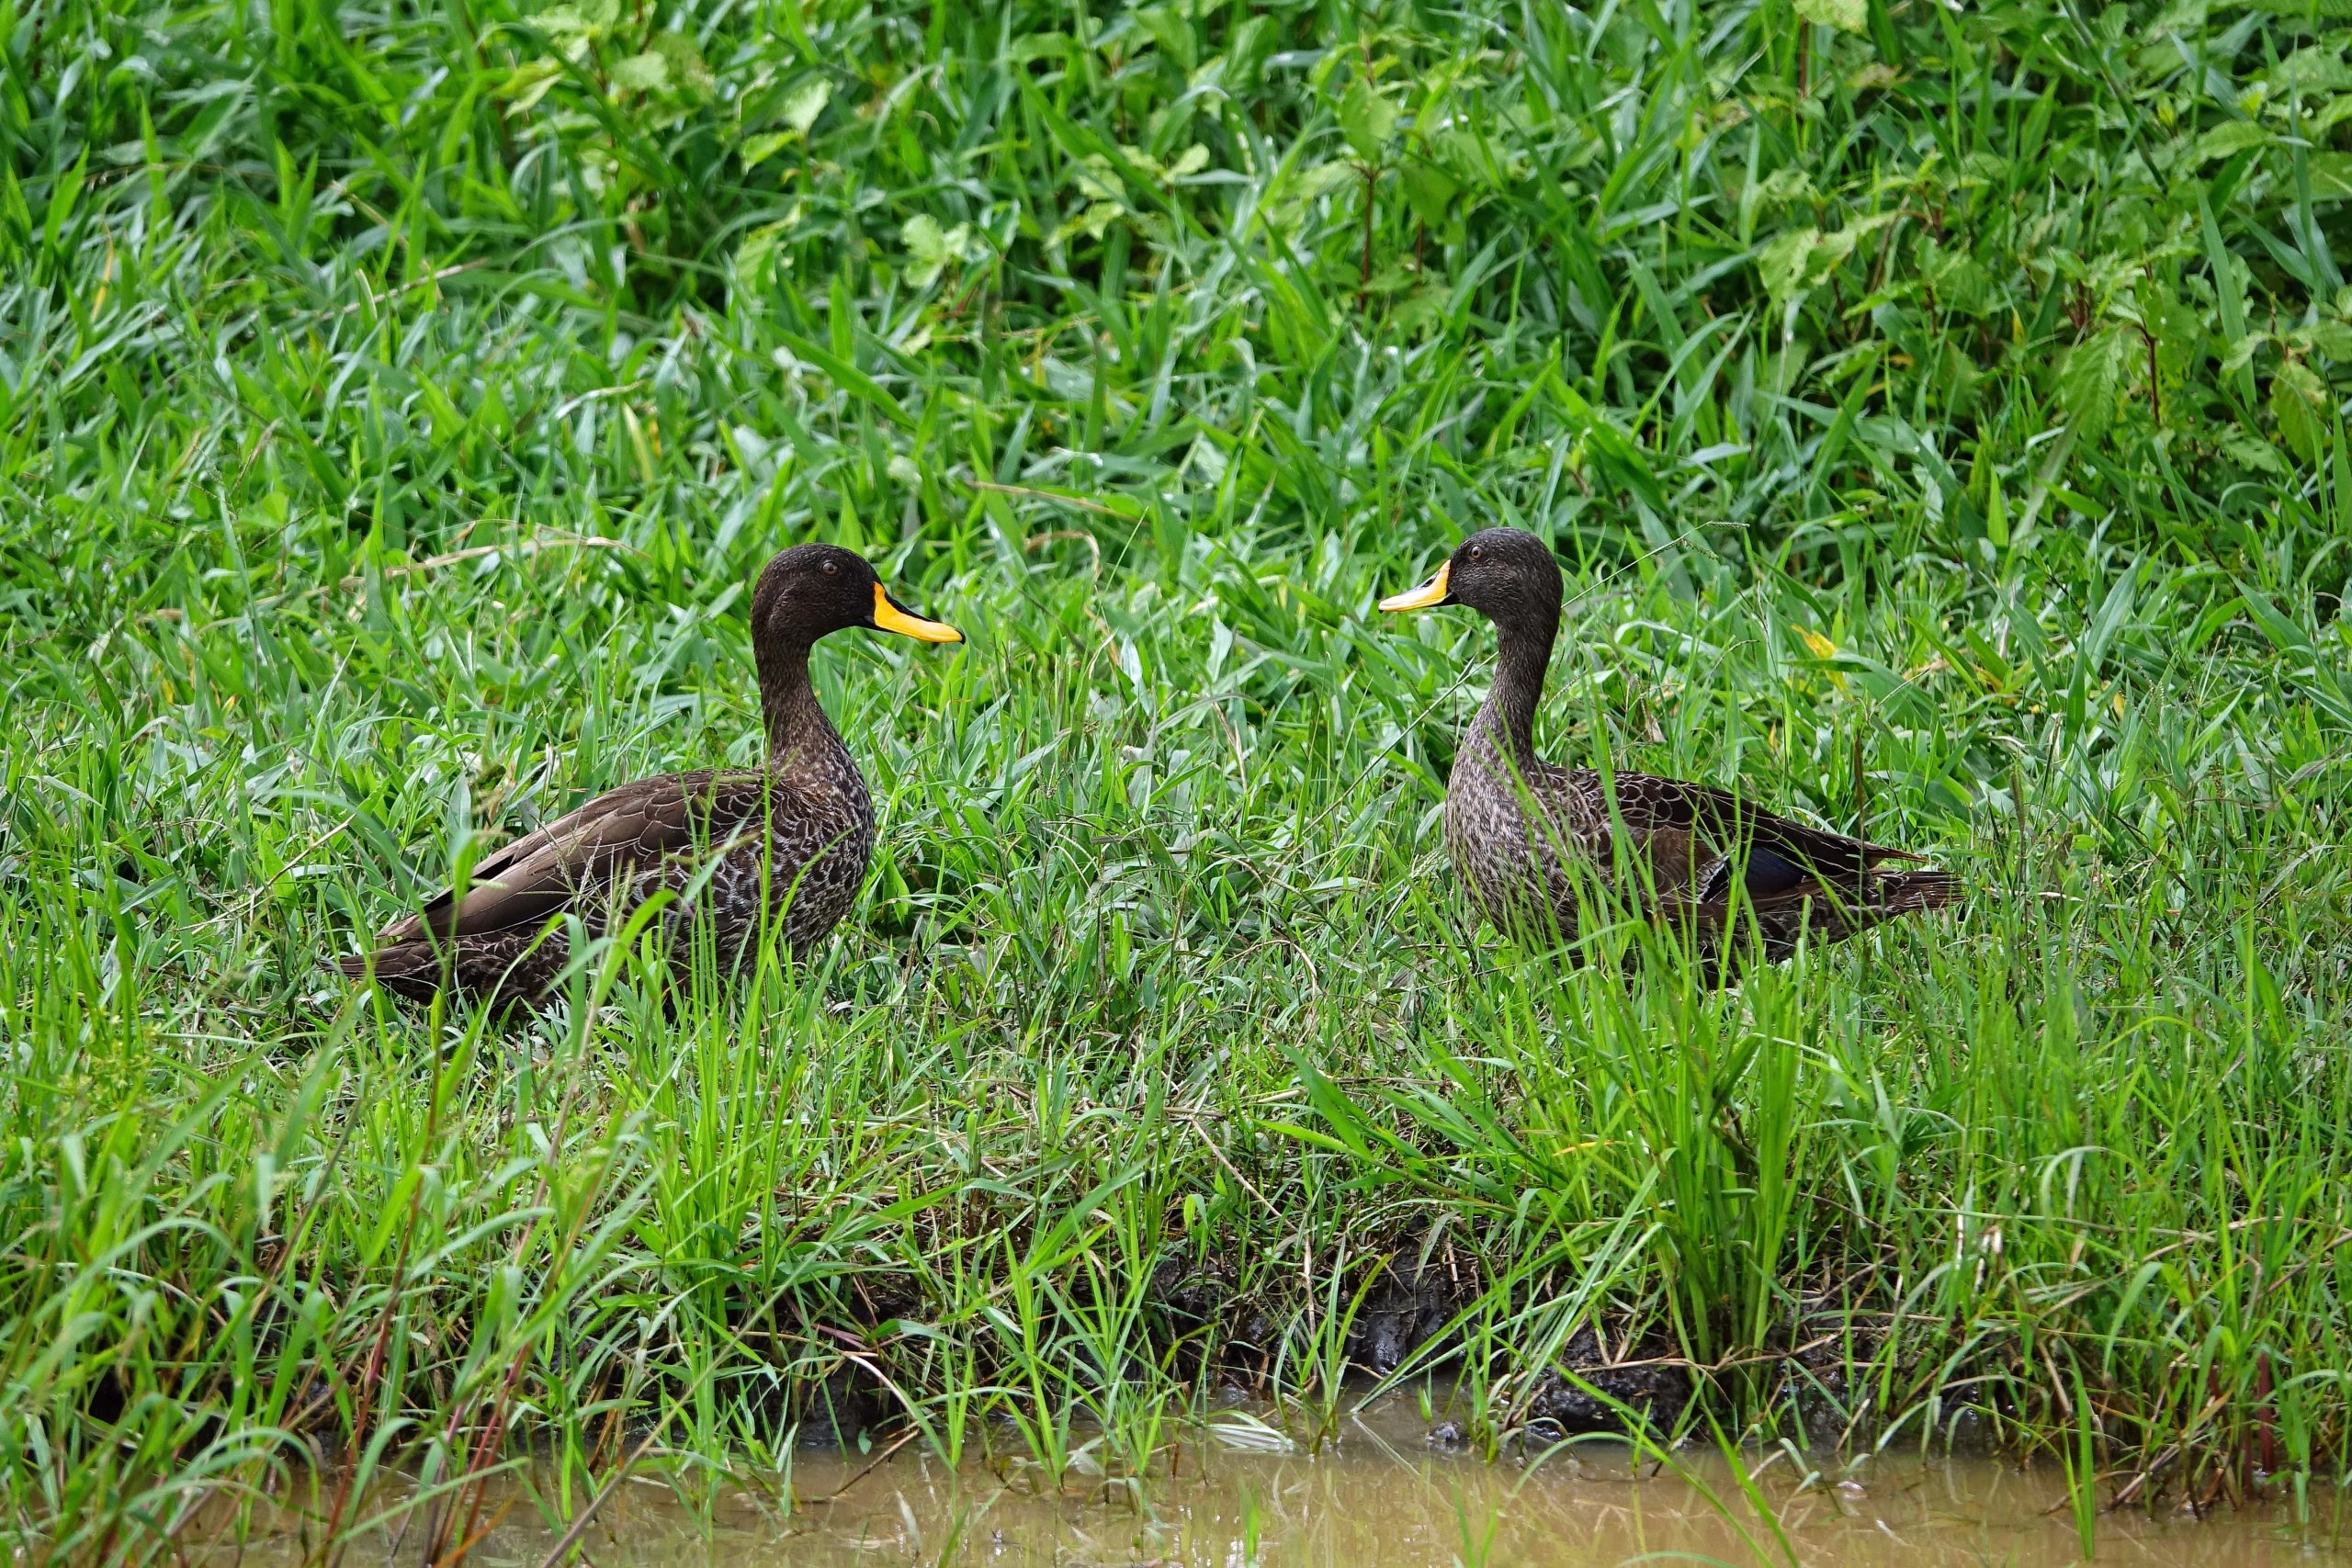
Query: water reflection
1381	1497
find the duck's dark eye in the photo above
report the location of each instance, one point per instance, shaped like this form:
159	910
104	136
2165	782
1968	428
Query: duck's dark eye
830	569
1478	552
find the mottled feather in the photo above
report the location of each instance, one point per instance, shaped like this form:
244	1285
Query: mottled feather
1538	844
782	848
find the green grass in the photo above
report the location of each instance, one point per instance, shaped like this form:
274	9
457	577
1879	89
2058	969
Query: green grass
1939	423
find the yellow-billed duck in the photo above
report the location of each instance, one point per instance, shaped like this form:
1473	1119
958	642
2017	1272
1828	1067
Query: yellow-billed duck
1528	836
792	837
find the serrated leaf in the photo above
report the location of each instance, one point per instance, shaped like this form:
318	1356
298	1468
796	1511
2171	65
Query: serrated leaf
755	257
1828	251
1192	161
758	150
2179	331
1961	284
1173	32
1246	51
925	239
2298	425
1845	16
2241	352
1094	179
646	73
688	71
2298	399
2090	384
2319	68
2333	339
569	24
2304	381
806	102
1366	119
527	85
1783	264
1788	185
2259	456
1308	184
1092	221
2229	139
931	248
1429	192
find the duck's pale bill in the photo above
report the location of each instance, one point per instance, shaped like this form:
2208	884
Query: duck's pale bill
1429	594
890	618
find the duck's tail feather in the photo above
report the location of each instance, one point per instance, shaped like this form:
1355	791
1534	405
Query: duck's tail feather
1903	892
399	966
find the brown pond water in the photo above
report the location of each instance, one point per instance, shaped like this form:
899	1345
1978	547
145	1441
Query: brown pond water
1380	1497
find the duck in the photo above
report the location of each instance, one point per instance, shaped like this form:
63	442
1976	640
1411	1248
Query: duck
1534	843
790	839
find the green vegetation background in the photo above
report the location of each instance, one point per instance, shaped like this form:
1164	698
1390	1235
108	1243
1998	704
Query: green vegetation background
1938	407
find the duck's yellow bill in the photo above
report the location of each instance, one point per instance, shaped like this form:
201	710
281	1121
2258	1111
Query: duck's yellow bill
1427	594
889	617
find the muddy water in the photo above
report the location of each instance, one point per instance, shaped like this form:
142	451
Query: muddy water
1381	1497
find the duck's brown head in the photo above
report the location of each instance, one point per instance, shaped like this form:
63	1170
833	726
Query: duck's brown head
1506	574
812	591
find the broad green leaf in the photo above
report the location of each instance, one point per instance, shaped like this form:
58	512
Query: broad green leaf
1960	282
1050	45
1172	31
2319	68
1093	221
1786	187
806	102
1365	120
1828	251
931	249
2326	10
756	255
527	85
1783	262
2091	383
2331	175
646	73
1246	51
1095	178
758	150
1429	191
688	72
2241	352
923	238
2179	331
1845	16
2230	137
2333	339
2296	395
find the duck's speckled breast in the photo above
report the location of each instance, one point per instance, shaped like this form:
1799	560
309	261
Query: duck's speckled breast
1508	860
808	864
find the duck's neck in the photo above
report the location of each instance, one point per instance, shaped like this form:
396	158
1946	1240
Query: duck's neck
799	735
1506	723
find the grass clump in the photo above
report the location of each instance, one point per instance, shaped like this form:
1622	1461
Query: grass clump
1941	421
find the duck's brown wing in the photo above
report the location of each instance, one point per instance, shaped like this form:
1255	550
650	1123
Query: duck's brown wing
543	872
1699	836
